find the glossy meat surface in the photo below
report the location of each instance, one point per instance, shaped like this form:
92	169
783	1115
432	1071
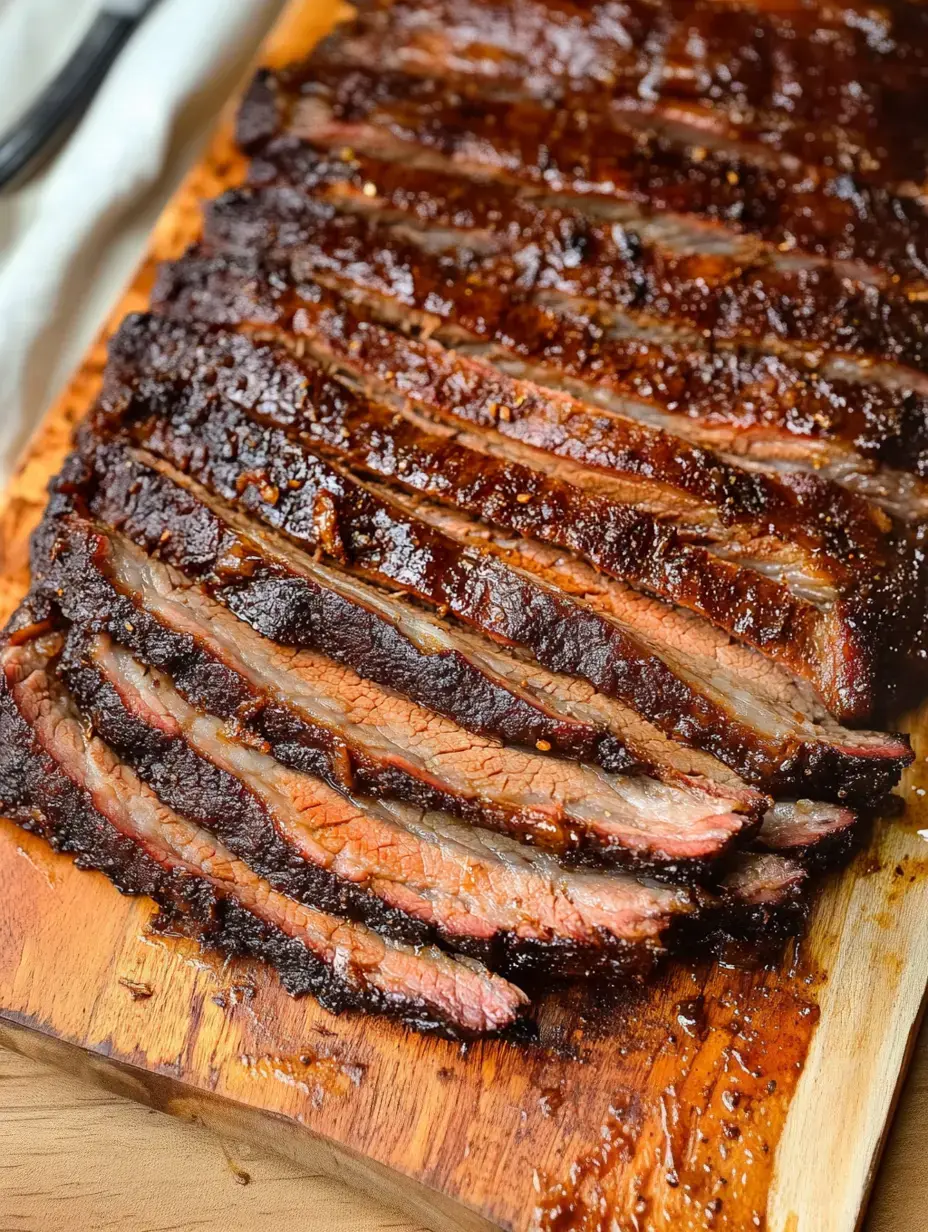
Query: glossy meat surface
492	556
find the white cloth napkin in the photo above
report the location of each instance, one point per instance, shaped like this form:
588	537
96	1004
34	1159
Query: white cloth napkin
69	241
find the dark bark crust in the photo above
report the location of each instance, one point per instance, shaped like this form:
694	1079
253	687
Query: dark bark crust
293	489
774	404
839	536
87	596
587	152
38	795
298	610
293	609
852	107
535	249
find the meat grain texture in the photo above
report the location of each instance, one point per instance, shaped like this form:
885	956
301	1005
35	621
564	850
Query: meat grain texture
495	554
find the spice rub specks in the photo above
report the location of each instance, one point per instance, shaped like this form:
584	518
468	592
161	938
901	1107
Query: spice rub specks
479	562
593	155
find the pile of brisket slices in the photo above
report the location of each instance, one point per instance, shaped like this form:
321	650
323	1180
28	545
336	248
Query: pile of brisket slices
485	563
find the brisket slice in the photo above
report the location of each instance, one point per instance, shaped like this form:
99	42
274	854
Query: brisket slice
292	599
675	476
322	507
289	597
864	436
321	718
318	608
630	271
809	536
480	893
592	154
819	835
767	707
764	881
67	785
854	87
292	488
812	316
810	531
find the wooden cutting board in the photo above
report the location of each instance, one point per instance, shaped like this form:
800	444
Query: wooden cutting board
719	1098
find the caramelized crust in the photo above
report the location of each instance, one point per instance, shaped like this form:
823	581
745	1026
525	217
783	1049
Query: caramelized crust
760	408
525	474
592	154
706	701
636	271
838	84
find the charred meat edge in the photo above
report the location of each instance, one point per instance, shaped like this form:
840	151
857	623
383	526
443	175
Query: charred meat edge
290	598
321	506
818	536
593	157
299	707
637	274
219	664
416	875
760	410
677	59
68	786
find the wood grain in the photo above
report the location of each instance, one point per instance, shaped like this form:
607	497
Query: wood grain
76	1157
676	1107
900	1195
73	1155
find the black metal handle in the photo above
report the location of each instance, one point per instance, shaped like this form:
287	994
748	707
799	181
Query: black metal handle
58	109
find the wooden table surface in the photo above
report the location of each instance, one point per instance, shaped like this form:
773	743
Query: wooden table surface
76	1158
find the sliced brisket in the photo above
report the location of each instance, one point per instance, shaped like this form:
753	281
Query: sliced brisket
312	606
764	881
637	273
481	893
818	538
69	786
291	487
854	81
591	153
525	473
290	598
817	834
321	718
863	436
296	823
